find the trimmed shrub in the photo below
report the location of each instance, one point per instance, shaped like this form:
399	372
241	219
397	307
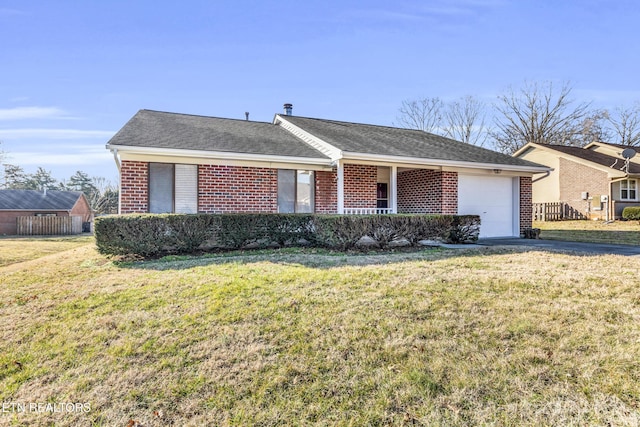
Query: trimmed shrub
631	213
143	235
339	231
149	235
464	229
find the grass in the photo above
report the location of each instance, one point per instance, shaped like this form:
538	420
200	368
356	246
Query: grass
18	249
485	336
618	232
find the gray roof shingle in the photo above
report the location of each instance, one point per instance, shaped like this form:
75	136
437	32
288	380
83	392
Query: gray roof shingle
53	200
188	132
391	141
596	157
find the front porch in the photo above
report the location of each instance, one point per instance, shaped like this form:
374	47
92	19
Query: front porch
372	189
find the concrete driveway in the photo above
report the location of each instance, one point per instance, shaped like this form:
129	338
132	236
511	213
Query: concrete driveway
563	246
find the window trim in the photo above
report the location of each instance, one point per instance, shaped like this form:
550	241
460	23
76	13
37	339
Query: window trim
312	189
382	200
625	183
173	185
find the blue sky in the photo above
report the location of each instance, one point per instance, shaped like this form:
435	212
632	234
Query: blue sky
73	72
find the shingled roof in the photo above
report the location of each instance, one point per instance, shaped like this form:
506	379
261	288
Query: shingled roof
32	200
158	129
596	157
391	141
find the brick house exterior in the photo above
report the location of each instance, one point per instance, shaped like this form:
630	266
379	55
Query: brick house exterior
594	181
306	165
440	189
32	203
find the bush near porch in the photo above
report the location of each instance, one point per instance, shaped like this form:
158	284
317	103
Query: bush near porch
149	235
631	213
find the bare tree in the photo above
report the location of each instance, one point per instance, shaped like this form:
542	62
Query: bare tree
422	114
465	121
538	113
626	125
105	199
594	128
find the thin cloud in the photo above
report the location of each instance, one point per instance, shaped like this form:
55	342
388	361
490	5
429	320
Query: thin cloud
387	15
41	158
21	113
462	8
54	134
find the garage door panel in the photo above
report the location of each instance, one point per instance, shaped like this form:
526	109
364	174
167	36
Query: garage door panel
492	199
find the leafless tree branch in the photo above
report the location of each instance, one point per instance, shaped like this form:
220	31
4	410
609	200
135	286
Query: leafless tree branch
423	114
538	113
465	121
626	125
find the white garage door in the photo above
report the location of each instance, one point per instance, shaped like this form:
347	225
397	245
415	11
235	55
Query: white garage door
491	197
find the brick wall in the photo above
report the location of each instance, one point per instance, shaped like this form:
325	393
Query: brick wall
449	193
576	178
326	192
526	207
237	189
134	180
360	186
427	191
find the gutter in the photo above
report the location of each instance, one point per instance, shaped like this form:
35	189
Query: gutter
546	174
219	155
349	156
115	158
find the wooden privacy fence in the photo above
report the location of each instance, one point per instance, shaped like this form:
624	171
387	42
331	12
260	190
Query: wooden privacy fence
49	225
555	211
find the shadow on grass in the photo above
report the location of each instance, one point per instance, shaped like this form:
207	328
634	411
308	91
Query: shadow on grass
310	258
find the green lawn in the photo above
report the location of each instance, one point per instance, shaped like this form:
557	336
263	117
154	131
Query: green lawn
18	249
622	232
485	336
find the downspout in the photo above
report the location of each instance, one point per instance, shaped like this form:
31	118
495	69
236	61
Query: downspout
115	157
119	166
611	211
546	174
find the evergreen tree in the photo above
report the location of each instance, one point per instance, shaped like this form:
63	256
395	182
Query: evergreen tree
80	181
41	180
14	178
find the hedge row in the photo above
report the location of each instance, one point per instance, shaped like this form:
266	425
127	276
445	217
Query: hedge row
631	213
150	235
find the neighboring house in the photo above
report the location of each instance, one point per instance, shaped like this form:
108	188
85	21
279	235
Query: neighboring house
183	163
595	180
47	203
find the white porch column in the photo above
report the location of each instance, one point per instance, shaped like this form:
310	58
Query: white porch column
340	168
393	183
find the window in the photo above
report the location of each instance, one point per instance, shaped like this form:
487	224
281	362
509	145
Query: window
295	191
628	189
173	188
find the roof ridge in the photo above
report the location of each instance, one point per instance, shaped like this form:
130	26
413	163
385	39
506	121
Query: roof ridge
395	128
367	124
202	116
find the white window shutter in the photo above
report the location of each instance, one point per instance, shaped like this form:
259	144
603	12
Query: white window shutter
186	189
